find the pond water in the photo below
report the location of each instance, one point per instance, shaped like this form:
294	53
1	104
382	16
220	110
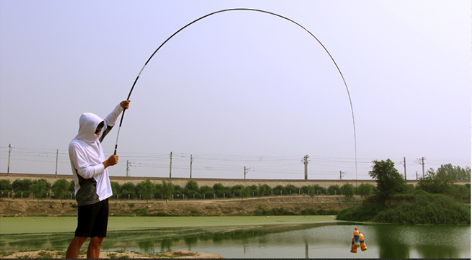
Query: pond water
275	241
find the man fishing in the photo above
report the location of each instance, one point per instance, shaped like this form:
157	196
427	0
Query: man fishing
92	183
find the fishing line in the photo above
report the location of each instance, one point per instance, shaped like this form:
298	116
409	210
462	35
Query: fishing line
105	132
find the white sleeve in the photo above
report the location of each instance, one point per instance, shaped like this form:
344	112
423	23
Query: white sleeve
84	169
110	120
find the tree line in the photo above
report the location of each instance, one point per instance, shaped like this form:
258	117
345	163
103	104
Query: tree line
389	182
62	189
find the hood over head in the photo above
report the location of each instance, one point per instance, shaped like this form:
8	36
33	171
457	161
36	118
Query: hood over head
88	123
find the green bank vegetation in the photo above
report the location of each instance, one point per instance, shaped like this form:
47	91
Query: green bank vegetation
435	200
165	190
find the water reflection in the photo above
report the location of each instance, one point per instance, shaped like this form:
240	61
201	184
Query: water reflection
287	241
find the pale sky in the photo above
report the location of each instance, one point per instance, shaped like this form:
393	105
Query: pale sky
239	88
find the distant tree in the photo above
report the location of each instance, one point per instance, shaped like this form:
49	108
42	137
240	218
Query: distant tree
39	188
334	190
5	185
264	190
192	188
365	189
305	189
437	182
312	193
245	192
115	188
167	190
208	191
21	186
179	191
219	190
456	172
319	190
147	189
60	189
348	190
389	181
291	189
279	189
128	189
72	186
236	190
254	190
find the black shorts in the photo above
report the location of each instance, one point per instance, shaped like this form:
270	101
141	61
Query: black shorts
93	220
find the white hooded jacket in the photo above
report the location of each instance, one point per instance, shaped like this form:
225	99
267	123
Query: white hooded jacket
92	183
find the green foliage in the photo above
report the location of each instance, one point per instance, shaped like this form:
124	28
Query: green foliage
389	181
456	172
208	191
334	190
39	188
221	191
5	185
279	189
311	211
237	190
437	182
459	192
254	189
360	213
167	189
365	189
264	190
21	185
348	190
430	209
245	192
115	187
128	188
60	189
72	186
319	190
146	189
291	189
191	188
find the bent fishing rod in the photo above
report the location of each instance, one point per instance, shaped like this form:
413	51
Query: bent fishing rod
105	132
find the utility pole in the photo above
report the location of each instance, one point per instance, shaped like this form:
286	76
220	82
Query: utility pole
170	168
191	160
341	174
422	163
404	166
57	156
305	161
9	152
127	167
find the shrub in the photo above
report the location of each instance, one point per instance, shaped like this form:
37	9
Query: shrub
319	190
365	189
348	190
334	190
429	209
359	213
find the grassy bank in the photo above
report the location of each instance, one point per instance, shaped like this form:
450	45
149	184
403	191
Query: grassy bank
416	209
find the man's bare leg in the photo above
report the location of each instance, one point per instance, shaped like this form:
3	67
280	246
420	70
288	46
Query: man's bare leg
93	250
74	247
